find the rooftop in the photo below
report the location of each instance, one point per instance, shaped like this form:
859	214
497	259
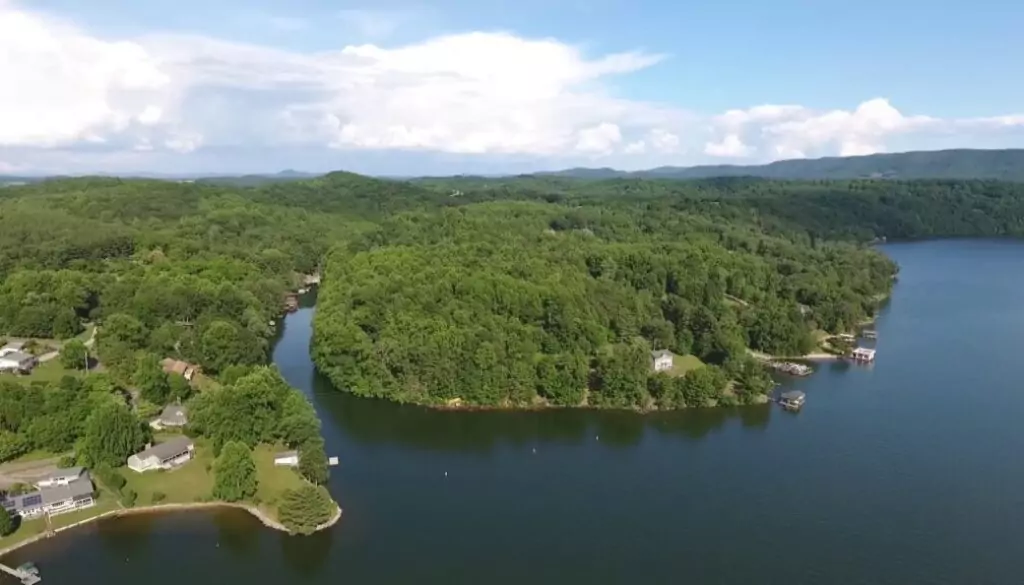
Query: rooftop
17	356
174	414
65	472
286	454
167	449
48	495
659	353
793	395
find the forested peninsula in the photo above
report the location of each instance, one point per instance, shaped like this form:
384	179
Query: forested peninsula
516	292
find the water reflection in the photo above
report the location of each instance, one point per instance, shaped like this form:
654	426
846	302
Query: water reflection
307	556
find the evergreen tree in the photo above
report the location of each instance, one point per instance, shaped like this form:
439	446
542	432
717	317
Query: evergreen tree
7	525
234	473
313	461
303	509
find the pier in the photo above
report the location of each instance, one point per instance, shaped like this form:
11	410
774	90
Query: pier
28	574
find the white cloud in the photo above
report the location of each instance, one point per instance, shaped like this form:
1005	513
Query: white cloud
730	146
490	94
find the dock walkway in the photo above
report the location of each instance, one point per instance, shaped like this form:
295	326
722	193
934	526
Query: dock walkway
26	577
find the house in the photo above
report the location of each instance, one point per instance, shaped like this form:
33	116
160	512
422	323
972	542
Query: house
52	500
166	455
661	360
183	369
287	459
17	361
62	477
173	416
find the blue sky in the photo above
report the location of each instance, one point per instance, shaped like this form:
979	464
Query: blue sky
458	86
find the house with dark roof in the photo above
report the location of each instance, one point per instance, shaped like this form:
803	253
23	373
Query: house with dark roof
172	416
167	455
53	500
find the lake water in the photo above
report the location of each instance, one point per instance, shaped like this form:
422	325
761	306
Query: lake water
901	473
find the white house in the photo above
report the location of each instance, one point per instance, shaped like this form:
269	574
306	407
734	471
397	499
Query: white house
62	477
661	360
166	455
287	459
16	361
52	500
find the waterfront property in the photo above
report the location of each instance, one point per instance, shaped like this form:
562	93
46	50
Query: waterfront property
287	459
791	368
863	354
172	416
62	477
53	500
661	360
792	400
167	455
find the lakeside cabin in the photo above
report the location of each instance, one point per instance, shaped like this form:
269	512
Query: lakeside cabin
792	400
863	355
52	500
167	455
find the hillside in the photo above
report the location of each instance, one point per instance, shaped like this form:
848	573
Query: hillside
1003	165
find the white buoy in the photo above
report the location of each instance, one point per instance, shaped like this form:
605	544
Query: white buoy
446	474
535	450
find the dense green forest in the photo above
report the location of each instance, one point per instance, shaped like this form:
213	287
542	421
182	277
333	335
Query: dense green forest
520	291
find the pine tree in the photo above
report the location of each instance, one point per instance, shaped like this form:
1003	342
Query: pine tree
7	525
302	510
235	473
313	461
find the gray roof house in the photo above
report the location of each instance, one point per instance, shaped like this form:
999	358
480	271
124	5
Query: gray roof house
52	500
62	477
173	415
17	360
166	455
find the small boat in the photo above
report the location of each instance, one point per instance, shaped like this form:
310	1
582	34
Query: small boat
29	568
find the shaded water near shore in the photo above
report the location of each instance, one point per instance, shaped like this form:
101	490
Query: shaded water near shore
900	473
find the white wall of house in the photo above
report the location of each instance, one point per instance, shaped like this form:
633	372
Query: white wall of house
288	461
663	363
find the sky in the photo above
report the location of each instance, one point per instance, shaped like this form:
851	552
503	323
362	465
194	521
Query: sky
397	87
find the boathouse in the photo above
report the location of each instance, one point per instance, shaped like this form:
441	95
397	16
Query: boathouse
863	354
792	399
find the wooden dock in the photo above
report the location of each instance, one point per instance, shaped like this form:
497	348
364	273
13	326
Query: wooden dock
27	577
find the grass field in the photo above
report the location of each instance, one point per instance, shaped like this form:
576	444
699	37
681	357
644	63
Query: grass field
684	363
192	482
273	479
50	371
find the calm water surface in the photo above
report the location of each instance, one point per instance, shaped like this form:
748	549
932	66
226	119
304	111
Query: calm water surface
903	473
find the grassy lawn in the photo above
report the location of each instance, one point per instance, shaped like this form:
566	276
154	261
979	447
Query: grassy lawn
37	526
273	480
50	371
684	363
192	482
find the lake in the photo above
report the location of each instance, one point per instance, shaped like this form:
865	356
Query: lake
899	473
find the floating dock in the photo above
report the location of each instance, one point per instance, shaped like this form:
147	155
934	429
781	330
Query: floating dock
863	355
27	573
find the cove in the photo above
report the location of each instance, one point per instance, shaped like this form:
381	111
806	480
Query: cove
899	473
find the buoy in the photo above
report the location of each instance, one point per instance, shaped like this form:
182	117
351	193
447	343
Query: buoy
446	474
534	450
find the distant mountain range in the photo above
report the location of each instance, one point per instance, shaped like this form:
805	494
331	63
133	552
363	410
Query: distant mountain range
1004	165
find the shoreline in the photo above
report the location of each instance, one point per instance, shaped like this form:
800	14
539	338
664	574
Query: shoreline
168	508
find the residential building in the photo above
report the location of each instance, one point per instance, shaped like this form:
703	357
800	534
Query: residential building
62	477
166	455
53	500
661	360
11	346
184	369
173	416
17	361
287	459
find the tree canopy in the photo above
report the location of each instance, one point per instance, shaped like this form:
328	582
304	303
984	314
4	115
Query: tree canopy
302	510
234	473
